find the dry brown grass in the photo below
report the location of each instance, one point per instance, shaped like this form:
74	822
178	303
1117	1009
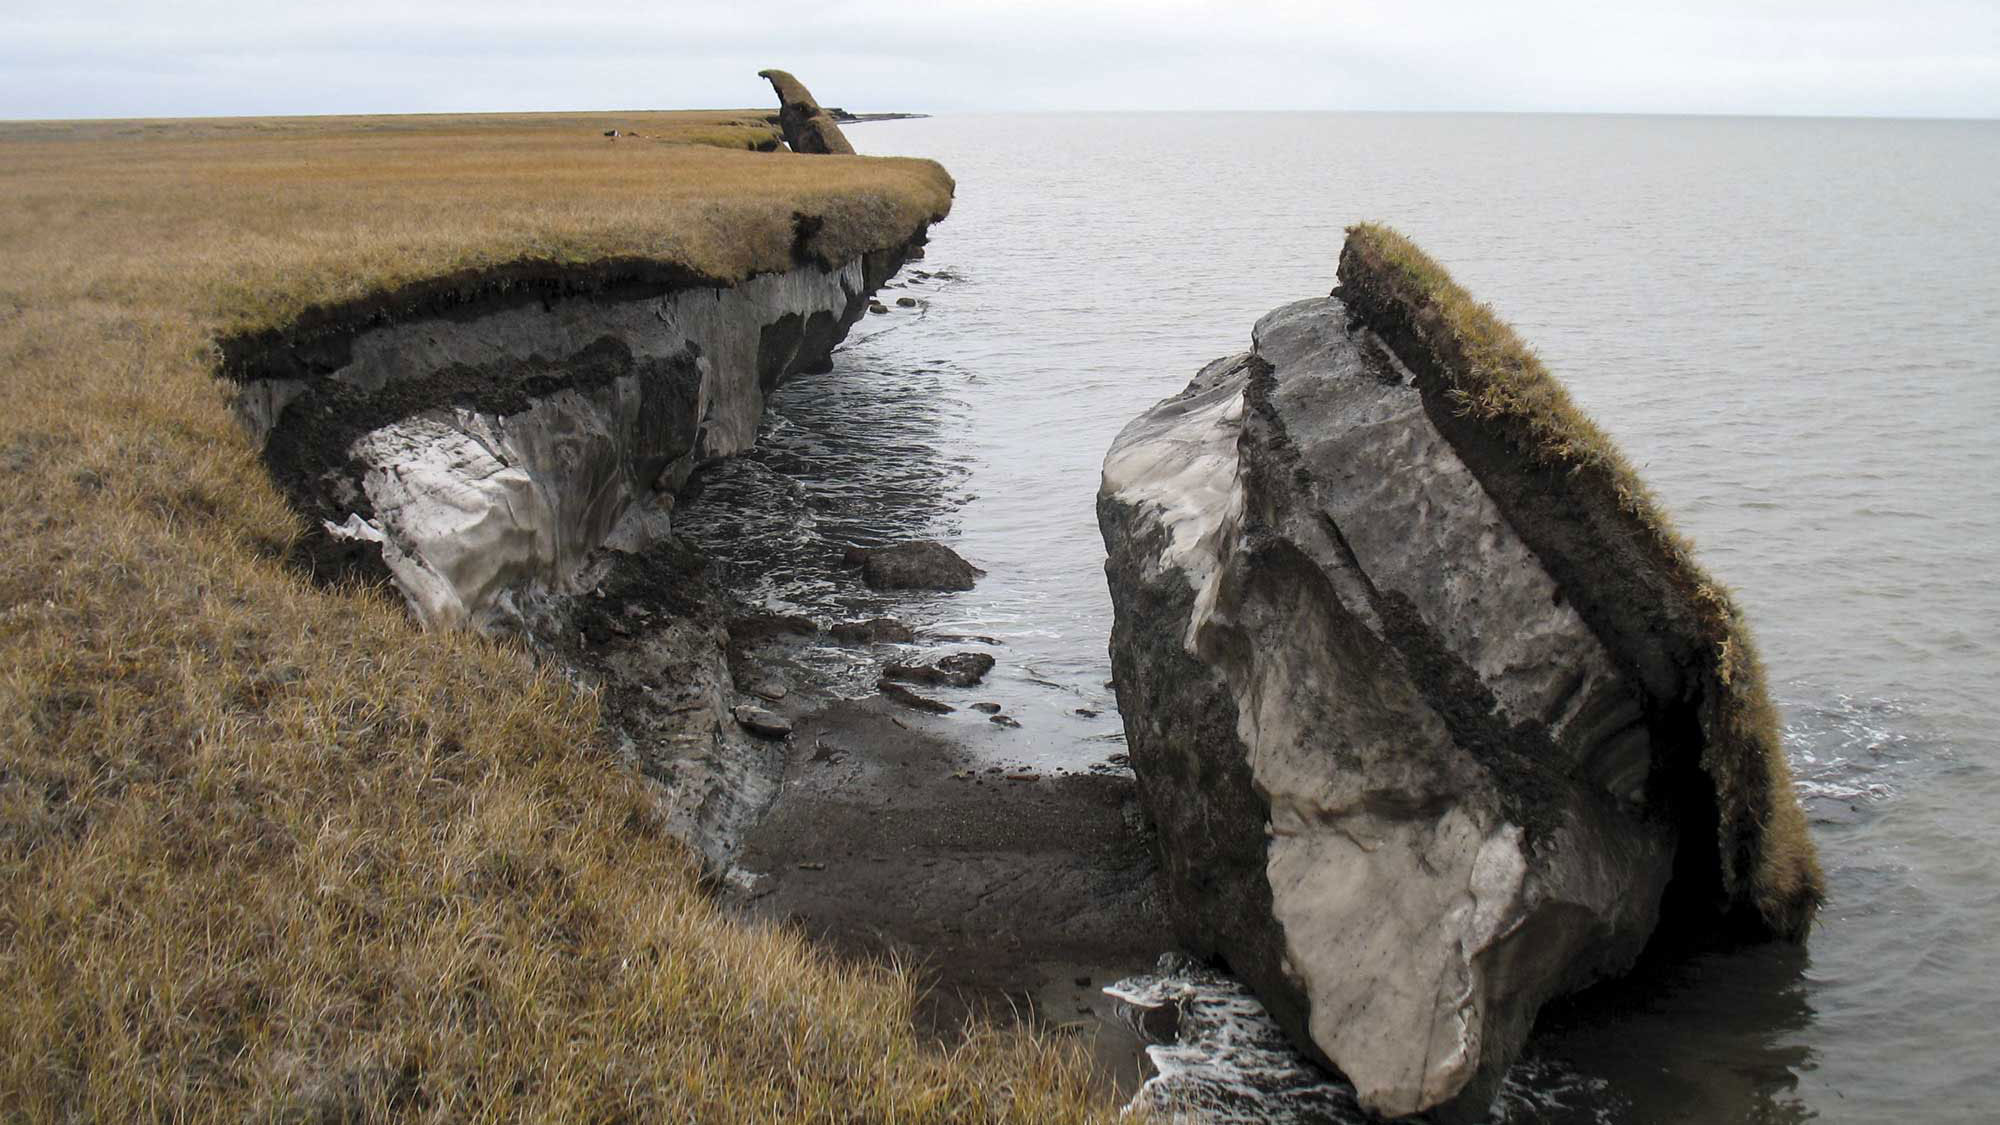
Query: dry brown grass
266	851
1495	376
247	226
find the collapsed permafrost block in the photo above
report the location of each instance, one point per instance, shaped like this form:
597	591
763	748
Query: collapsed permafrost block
807	127
1435	717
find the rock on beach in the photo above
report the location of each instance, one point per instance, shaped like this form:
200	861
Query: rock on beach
921	565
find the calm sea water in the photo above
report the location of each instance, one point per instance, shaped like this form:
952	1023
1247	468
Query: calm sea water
1792	326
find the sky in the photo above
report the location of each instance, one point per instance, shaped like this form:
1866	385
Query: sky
173	58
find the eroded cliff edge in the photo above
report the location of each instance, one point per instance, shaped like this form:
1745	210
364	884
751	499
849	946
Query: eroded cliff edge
1435	716
501	443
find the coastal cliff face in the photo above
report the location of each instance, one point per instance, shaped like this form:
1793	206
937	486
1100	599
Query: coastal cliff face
498	448
1407	780
485	452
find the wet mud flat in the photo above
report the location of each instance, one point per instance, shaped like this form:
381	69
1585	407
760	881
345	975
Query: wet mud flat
1013	894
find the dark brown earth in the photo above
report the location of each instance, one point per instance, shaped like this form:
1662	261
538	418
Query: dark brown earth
1011	898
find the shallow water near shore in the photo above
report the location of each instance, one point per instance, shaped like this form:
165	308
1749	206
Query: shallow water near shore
1792	327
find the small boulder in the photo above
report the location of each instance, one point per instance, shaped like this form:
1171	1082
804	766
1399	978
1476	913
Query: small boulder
965	669
907	302
921	565
762	723
960	669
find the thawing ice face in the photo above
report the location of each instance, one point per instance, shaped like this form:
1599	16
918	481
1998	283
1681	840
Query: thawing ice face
1220	1058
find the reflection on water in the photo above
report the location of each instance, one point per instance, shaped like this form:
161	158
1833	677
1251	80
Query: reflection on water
1712	1038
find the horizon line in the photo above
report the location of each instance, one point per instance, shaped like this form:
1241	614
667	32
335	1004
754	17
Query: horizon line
931	113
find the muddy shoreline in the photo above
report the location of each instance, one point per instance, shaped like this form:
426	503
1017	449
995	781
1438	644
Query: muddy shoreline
885	834
1012	895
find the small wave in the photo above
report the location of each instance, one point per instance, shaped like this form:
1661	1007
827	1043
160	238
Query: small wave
1847	750
1227	1062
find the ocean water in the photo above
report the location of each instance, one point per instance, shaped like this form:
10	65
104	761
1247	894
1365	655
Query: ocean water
1793	328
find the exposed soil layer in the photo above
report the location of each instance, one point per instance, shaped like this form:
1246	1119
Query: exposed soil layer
1012	898
319	339
581	395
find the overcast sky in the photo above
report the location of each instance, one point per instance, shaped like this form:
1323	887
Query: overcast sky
81	58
